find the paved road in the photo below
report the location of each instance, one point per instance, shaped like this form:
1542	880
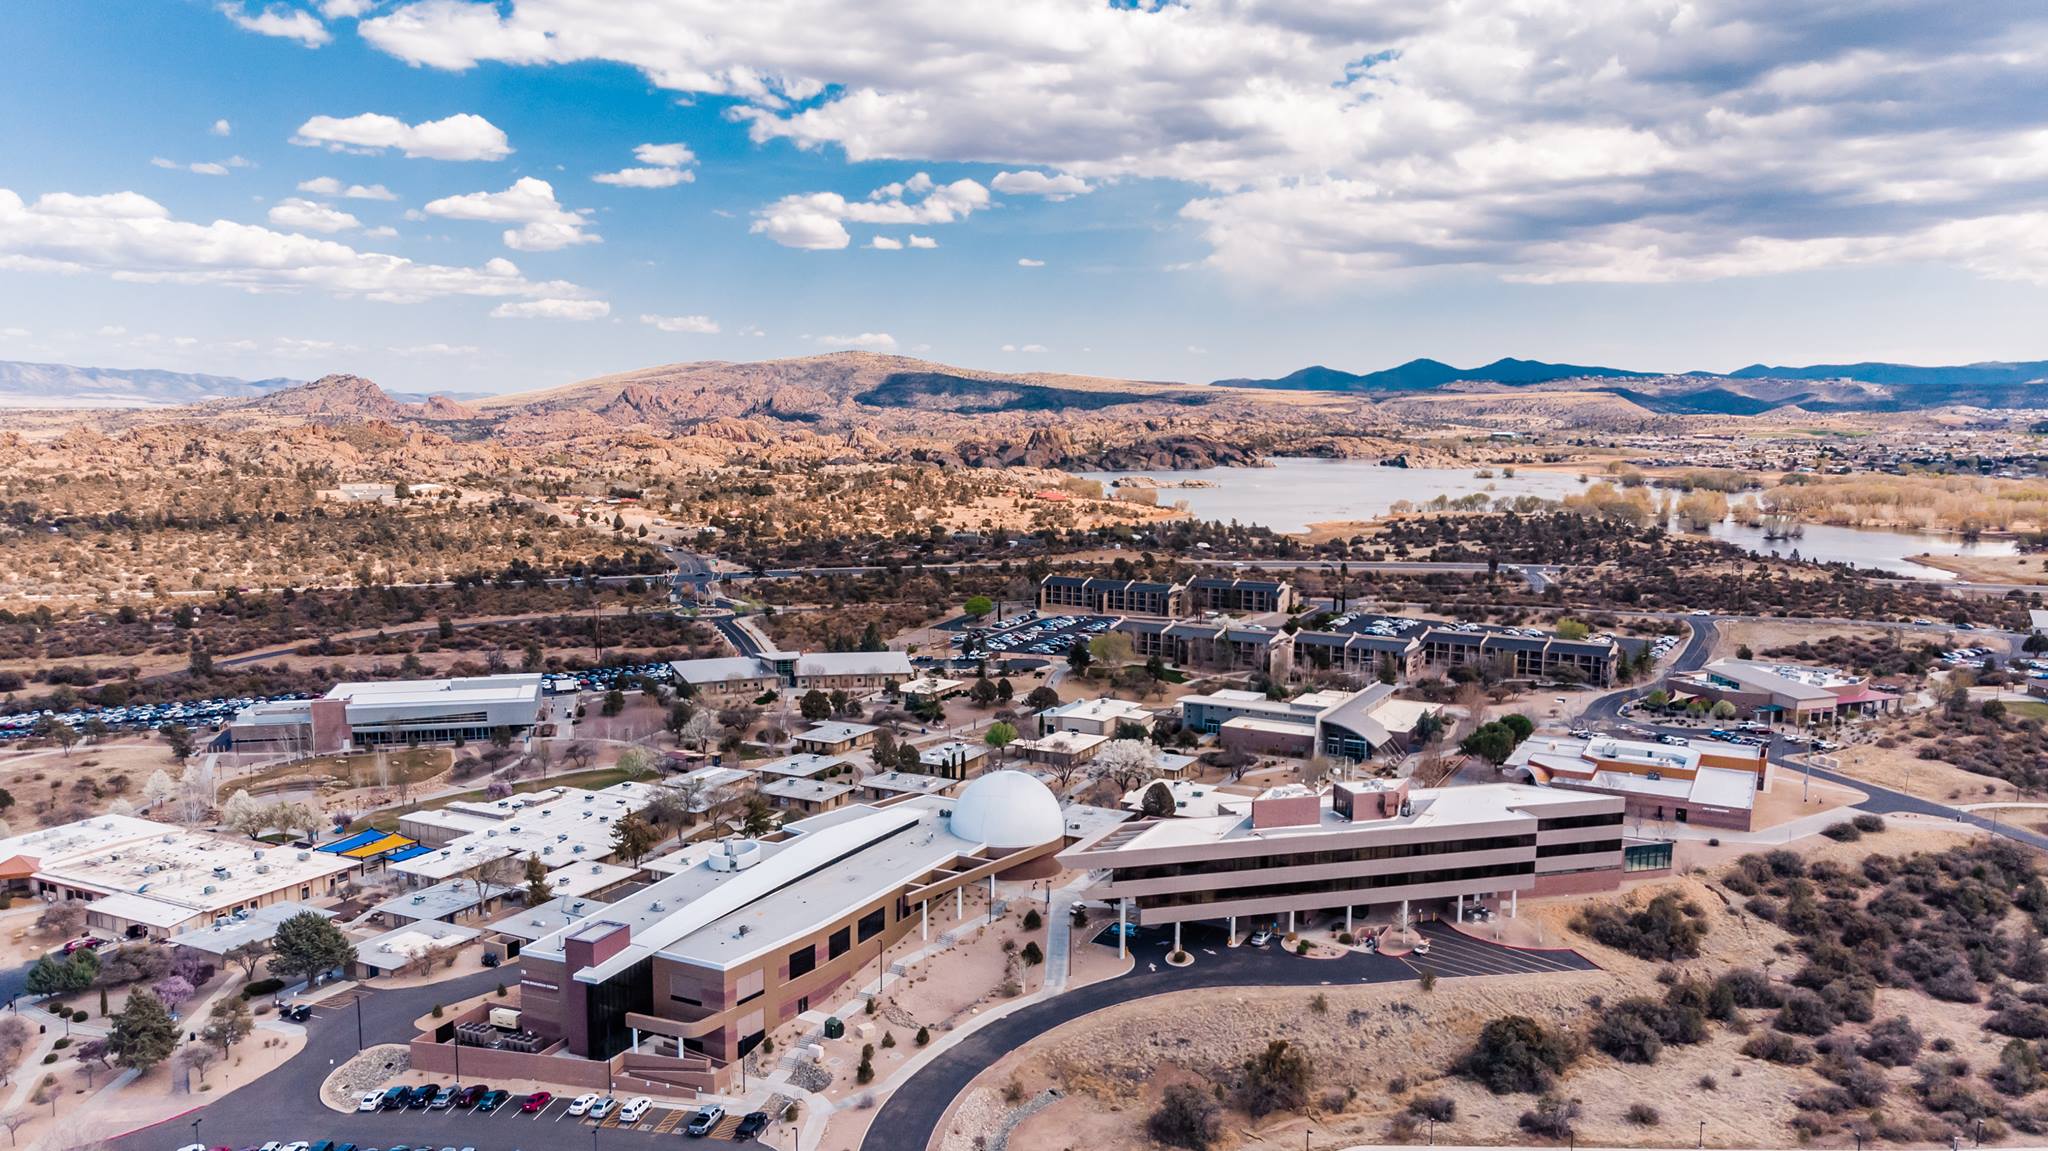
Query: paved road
1692	657
912	1113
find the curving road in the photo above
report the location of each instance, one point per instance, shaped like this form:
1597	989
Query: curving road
912	1113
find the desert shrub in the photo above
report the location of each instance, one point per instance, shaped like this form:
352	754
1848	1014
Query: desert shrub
1642	1115
1709	1083
1515	1053
1867	823
1549	1119
262	987
1186	1117
1826	1100
1636	1029
1667	929
1844	832
1804	1013
2020	1021
1893	1042
1441	1108
1748	987
1276	1079
1777	1047
2019	1068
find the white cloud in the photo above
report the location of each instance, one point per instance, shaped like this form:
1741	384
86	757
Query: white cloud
868	341
666	168
345	9
545	225
312	217
917	241
280	21
221	128
1648	140
381	232
816	220
132	238
329	186
646	177
15	333
463	136
202	168
1058	186
552	310
1023	347
885	243
436	349
697	325
1028	262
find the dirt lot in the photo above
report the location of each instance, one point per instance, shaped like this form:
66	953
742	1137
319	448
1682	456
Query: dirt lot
1990	569
1768	635
1901	769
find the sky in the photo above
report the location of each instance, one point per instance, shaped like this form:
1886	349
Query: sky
476	196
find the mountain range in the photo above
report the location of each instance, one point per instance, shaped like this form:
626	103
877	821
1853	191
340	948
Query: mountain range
1869	386
32	385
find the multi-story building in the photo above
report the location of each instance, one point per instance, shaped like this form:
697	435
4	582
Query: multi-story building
1375	850
1523	656
384	712
1233	596
1103	596
1705	782
1785	692
1339	725
743	678
1208	645
685	977
728	680
1359	654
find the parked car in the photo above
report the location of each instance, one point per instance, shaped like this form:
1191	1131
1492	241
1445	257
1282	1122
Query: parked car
84	943
443	1100
370	1101
537	1102
492	1100
582	1103
704	1120
751	1125
296	1012
1260	938
634	1109
603	1107
471	1095
396	1098
422	1097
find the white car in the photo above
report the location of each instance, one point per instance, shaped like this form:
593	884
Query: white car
634	1109
603	1107
370	1101
582	1103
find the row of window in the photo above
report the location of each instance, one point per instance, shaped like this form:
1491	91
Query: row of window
1362	883
1550	850
1362	854
1568	822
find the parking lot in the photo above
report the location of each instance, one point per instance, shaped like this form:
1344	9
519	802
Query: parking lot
1035	634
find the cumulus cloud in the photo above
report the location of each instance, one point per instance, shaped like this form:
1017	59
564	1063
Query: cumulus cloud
221	128
1023	347
309	216
545	225
1058	186
463	136
1658	141
552	310
866	341
202	167
917	241
132	238
345	9
1028	262
329	186
885	243
278	20
665	168
696	325
817	220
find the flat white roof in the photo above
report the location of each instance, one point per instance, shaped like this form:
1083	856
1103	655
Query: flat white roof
811	790
907	781
257	925
452	897
514	687
560	825
854	663
1062	741
531	923
1101	708
584	878
836	732
185	873
394	949
803	765
942	754
721	669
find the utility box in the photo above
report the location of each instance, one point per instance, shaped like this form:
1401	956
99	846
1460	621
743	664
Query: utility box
835	1028
505	1018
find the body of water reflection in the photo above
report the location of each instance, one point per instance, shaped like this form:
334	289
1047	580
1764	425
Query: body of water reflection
1294	493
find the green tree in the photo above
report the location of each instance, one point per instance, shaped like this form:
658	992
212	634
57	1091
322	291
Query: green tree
982	692
1079	657
1493	742
759	817
1569	628
1042	697
1518	724
614	702
999	735
633	837
537	891
144	1034
308	944
815	705
1723	709
978	606
180	738
871	638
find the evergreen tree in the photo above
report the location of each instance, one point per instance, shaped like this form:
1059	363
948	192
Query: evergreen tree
144	1034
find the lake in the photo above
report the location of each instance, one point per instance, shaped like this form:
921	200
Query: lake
1296	492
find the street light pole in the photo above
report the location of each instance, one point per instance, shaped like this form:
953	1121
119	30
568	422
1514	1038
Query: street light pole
359	1021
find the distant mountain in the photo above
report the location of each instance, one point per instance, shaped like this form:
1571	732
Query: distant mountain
1424	374
28	385
1756	388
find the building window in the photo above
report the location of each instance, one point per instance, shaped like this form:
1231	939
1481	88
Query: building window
840	943
1646	857
872	923
803	961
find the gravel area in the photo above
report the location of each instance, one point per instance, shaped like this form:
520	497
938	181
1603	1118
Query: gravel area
371	1068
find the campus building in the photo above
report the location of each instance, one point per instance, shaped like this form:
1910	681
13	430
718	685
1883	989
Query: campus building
1708	783
384	712
744	678
1211	645
1375	850
1099	716
728	680
1359	654
1342	725
1518	656
682	979
142	878
1229	595
1065	595
567	828
1784	692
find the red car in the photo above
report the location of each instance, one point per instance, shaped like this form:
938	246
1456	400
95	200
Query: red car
537	1101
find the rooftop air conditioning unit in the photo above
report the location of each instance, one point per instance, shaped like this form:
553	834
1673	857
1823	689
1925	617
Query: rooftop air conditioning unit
209	889
263	869
548	850
304	856
656	906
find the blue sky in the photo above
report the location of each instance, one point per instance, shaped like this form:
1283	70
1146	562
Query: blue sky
1246	189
